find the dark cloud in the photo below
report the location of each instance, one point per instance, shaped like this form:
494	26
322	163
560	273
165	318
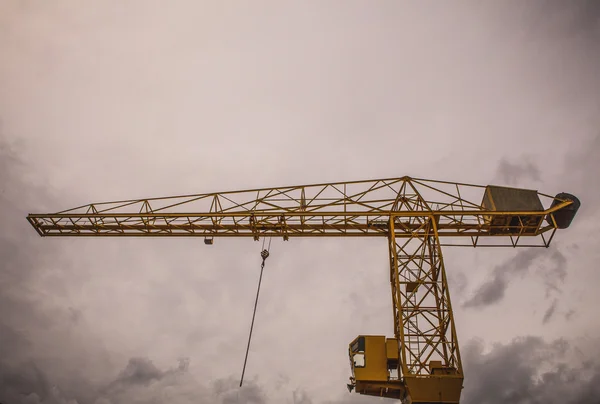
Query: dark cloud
27	383
141	381
528	371
515	173
30	318
26	380
559	19
18	377
490	292
139	371
553	272
493	290
550	312
301	397
457	282
229	392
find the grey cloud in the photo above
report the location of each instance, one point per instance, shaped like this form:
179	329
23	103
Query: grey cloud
508	373
550	312
28	384
553	273
15	265
26	380
13	341
490	292
493	290
301	397
514	173
28	316
75	315
512	373
141	381
457	282
560	19
229	393
139	371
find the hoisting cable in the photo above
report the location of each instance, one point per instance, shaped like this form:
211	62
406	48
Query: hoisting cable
264	255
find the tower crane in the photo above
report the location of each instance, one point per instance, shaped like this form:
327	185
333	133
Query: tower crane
421	363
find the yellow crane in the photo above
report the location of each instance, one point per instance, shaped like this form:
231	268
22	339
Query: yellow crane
416	217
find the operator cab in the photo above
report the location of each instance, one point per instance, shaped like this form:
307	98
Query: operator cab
374	363
357	353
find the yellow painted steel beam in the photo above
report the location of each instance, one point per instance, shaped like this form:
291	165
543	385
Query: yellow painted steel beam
276	224
353	208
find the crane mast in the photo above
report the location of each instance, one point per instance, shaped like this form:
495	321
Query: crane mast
421	363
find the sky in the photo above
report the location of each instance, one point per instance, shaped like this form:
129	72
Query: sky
109	100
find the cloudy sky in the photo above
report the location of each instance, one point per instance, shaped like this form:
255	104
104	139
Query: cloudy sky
108	100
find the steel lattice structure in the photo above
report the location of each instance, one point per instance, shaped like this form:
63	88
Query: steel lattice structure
416	216
356	208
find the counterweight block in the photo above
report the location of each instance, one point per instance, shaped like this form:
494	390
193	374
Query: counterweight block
564	216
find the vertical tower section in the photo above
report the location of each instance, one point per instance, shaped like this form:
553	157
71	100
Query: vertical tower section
430	364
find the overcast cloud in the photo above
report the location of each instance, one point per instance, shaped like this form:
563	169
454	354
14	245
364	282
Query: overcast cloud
552	273
112	100
513	173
